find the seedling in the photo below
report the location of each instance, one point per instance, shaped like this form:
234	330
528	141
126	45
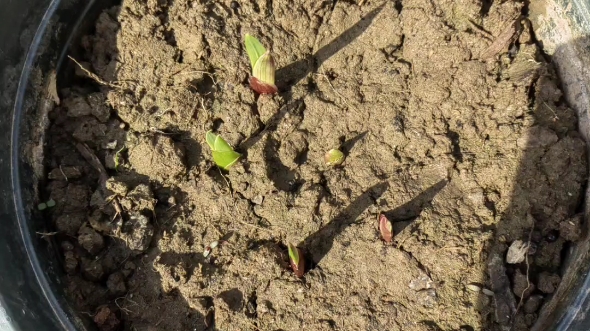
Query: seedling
297	260
224	155
263	66
210	248
386	228
47	204
334	157
119	158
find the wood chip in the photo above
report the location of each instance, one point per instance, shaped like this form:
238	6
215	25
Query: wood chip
501	43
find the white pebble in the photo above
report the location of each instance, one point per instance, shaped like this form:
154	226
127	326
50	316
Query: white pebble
473	287
517	252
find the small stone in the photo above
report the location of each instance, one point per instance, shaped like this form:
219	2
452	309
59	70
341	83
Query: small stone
548	282
116	186
258	199
533	304
141	198
517	252
487	292
91	240
106	319
137	232
473	287
111	145
421	283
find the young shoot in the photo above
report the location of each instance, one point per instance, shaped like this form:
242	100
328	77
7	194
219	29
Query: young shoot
334	157
385	228
297	260
224	155
263	66
47	204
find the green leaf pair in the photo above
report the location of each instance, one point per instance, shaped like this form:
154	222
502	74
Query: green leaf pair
224	155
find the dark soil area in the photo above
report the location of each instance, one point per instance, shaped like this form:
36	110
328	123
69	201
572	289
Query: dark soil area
451	120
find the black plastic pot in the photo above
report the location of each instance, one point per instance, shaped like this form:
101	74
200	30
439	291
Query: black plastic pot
34	37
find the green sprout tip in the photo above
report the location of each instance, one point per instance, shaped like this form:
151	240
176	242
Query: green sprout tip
224	155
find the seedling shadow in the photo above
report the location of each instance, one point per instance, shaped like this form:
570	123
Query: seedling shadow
296	71
319	243
350	143
405	214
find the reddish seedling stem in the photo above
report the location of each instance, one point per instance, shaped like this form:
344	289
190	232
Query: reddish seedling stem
261	87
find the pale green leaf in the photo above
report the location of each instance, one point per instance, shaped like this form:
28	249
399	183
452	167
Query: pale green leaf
220	145
225	160
254	49
264	69
293	253
210	137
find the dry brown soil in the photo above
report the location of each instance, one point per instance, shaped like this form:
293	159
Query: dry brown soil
462	139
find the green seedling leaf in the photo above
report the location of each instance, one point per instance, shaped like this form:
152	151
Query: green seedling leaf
225	160
334	157
210	137
297	260
42	206
224	155
385	228
220	145
264	69
254	49
50	203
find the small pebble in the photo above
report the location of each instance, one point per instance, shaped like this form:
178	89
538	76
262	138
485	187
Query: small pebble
258	199
421	283
517	252
111	145
487	292
473	288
